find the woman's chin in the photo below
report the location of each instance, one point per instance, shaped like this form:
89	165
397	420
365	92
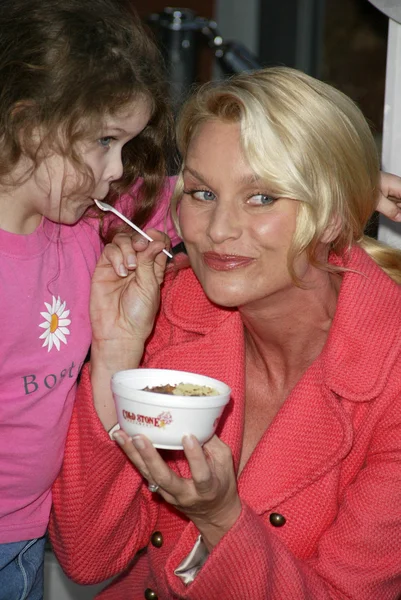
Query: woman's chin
225	298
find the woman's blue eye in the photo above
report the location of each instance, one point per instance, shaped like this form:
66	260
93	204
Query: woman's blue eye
261	200
203	195
105	141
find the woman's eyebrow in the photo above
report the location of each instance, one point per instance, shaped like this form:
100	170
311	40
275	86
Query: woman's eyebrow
246	179
194	173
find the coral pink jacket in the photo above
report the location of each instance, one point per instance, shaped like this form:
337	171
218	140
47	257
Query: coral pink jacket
329	464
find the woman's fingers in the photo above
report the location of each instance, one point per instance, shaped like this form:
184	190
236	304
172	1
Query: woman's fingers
122	253
200	467
389	208
208	465
148	461
125	443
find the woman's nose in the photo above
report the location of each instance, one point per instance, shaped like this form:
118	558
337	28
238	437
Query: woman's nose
224	223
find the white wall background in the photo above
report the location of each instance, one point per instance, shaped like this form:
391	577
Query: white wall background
390	232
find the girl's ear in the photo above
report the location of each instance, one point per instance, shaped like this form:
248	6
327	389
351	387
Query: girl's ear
332	231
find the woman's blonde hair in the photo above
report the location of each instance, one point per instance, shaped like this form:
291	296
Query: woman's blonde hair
309	142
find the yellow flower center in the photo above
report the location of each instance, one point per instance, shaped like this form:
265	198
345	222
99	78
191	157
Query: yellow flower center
53	323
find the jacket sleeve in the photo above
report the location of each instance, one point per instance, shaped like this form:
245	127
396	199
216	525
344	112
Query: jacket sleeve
358	557
102	513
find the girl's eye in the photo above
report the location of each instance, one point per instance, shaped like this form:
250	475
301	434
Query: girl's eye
261	200
105	141
201	194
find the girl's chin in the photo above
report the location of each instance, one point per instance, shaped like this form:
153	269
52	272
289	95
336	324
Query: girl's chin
69	218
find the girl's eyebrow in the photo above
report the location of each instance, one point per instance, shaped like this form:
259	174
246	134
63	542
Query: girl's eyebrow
108	126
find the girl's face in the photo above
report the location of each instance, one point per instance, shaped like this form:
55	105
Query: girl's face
55	189
236	233
103	155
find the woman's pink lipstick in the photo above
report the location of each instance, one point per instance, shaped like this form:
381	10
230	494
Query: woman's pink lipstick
225	262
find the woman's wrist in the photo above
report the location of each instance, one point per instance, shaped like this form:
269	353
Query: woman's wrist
212	532
115	355
106	359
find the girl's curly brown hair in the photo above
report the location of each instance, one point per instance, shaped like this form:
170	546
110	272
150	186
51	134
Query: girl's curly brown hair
64	65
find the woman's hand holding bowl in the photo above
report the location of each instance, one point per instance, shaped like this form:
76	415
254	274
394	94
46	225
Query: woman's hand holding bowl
209	498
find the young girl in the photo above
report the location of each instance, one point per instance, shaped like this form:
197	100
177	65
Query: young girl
81	107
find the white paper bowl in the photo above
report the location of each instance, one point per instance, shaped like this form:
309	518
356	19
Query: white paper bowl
166	418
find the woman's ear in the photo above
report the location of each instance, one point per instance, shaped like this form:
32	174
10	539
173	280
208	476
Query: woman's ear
332	231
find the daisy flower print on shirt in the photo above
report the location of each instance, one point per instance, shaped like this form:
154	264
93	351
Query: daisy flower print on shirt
55	324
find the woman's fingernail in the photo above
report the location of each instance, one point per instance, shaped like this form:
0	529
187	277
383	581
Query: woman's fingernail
138	442
119	439
188	442
122	271
131	261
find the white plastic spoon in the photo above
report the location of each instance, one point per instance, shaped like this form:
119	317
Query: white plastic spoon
107	207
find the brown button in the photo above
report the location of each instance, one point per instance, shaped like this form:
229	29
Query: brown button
157	539
277	520
151	595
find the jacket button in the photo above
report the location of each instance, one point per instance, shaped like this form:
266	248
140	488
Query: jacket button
157	539
150	594
277	520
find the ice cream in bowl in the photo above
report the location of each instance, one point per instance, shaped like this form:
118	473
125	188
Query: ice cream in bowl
166	404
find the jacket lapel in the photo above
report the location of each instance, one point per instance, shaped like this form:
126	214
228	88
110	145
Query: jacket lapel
309	436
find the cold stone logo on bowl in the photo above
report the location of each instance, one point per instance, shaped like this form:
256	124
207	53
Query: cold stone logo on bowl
165	418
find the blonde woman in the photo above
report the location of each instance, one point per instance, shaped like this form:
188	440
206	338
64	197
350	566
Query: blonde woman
298	495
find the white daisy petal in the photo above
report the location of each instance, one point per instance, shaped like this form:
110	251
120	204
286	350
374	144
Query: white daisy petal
49	308
60	335
64	330
65	314
46	316
56	342
60	309
64	322
45	325
45	334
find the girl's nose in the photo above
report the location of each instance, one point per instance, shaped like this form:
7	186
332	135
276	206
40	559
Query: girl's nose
115	169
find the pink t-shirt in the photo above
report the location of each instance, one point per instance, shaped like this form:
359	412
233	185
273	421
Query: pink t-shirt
45	336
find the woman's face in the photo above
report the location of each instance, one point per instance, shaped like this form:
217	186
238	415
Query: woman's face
237	235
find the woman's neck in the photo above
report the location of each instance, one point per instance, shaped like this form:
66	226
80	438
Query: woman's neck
284	334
